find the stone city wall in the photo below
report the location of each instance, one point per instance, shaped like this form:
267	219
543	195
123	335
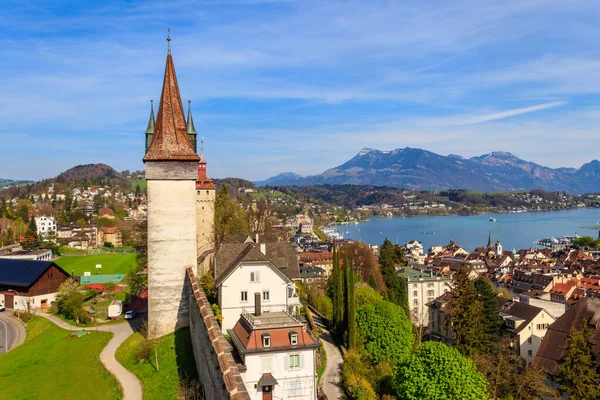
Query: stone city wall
216	367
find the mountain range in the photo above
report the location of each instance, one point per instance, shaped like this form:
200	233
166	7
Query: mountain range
424	170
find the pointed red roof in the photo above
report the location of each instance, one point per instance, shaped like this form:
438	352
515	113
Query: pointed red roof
170	141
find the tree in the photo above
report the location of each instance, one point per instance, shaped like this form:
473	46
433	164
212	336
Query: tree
337	292
578	375
351	306
365	294
365	264
509	376
585	241
23	209
464	315
387	331
32	228
140	244
490	317
437	371
230	216
387	256
70	301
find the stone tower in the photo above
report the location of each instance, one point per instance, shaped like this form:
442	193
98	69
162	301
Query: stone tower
171	172
205	215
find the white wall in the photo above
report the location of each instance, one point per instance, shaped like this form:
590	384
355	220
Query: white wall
230	292
45	225
171	249
424	290
20	302
536	335
292	383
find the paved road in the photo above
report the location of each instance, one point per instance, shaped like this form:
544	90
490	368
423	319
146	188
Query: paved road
12	332
132	388
333	369
330	381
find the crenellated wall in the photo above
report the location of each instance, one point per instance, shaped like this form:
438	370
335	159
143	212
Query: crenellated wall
216	367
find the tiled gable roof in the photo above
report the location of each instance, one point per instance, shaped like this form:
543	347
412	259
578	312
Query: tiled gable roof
280	254
550	352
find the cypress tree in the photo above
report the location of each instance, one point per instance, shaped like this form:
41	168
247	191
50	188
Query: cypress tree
345	285
351	308
335	299
387	255
339	293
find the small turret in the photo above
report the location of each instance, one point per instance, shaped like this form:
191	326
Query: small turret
191	131
150	128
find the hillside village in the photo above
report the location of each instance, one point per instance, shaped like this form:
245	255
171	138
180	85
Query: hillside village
263	299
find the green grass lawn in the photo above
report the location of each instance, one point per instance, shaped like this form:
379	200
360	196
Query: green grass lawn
49	365
111	263
175	360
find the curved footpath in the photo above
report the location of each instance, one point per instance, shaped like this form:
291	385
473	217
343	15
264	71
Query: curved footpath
330	380
132	388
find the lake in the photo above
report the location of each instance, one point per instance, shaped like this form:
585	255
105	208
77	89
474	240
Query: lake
518	230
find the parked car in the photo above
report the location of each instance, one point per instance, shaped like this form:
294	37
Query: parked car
130	315
2	308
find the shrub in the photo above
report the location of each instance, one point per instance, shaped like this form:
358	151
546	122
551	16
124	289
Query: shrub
386	330
437	371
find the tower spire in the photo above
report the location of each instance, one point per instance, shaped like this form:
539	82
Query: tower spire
202	160
170	140
489	245
150	128
191	131
169	40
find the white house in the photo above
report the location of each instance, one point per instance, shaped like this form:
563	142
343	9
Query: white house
525	325
277	355
424	287
45	225
243	269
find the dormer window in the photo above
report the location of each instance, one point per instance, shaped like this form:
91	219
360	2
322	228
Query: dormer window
294	338
266	340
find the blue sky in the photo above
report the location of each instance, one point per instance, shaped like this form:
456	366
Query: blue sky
299	86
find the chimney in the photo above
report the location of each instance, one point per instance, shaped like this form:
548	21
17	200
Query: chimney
257	304
263	248
256	237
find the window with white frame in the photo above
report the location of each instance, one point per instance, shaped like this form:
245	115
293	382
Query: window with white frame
266	295
294	361
266	340
293	338
255	276
244	295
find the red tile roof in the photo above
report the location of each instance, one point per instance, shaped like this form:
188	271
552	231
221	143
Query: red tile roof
170	141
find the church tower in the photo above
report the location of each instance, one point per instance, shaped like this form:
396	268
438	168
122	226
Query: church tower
498	247
205	215
171	172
